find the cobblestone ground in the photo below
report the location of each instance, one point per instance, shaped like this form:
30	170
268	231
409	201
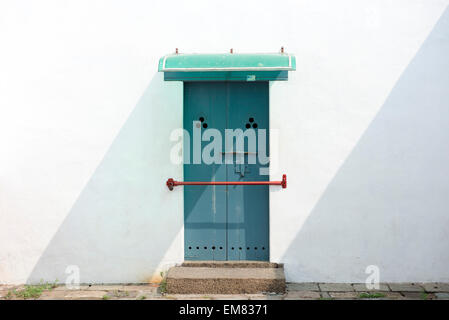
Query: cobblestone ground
295	291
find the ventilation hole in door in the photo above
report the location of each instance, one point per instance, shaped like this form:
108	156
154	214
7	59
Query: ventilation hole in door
254	125
197	248
247	248
263	248
190	248
255	248
232	248
213	248
204	125
251	119
202	119
240	248
205	248
248	126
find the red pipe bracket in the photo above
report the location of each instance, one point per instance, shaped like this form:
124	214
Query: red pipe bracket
172	183
284	181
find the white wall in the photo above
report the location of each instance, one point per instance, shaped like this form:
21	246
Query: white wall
85	121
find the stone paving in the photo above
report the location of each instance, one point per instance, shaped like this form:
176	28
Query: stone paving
295	291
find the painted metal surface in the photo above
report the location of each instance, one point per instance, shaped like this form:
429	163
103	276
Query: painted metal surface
226	222
205	206
248	206
227	62
279	75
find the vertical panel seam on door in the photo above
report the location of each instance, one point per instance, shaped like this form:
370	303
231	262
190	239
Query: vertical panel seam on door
226	166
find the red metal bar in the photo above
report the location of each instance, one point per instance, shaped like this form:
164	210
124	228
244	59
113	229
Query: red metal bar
172	183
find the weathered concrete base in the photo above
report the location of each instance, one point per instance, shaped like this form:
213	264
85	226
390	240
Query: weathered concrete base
295	291
225	279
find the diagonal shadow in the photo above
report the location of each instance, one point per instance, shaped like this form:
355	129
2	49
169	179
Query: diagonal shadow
124	220
388	203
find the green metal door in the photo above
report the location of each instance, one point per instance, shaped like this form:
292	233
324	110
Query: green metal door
226	222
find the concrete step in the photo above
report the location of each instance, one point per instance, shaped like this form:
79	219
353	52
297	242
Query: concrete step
232	264
224	280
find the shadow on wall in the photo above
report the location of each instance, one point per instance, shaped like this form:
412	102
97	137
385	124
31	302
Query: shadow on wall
123	223
388	205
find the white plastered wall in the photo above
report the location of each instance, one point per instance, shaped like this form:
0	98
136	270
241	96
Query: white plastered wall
85	121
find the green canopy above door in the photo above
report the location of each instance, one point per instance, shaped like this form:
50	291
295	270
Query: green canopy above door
227	67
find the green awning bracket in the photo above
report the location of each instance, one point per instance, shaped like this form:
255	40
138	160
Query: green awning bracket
227	67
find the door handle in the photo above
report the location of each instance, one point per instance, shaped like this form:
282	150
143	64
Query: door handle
241	168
